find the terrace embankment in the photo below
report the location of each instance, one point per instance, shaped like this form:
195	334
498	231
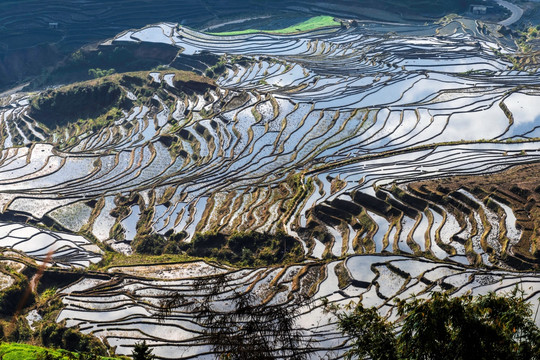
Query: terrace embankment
490	219
517	188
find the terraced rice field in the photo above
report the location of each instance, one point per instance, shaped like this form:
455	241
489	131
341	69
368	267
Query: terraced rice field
125	309
331	135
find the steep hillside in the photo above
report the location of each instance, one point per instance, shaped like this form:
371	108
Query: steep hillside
31	42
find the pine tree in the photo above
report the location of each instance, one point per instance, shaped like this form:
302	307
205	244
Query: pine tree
142	351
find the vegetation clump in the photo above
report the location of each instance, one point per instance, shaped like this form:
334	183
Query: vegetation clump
443	327
243	249
16	297
149	244
248	249
58	336
16	351
142	351
97	72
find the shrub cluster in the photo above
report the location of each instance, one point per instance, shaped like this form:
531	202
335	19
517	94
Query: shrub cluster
17	296
58	336
246	249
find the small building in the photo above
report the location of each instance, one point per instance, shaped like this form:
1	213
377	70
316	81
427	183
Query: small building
478	9
348	23
53	25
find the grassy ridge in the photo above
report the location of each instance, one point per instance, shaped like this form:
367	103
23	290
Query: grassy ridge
308	25
97	103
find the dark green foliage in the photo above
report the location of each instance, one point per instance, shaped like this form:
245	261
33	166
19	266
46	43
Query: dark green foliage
58	336
150	244
371	334
207	244
51	335
97	73
60	107
488	327
246	249
142	351
175	245
20	332
256	248
11	298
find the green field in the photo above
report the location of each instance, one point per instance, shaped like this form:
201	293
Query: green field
308	25
14	351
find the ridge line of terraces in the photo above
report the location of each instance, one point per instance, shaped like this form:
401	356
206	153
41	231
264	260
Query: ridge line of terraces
384	154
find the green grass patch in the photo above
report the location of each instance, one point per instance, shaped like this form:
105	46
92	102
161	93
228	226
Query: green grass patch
15	351
114	259
308	25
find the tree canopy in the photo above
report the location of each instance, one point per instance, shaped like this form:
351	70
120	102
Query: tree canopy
142	351
489	327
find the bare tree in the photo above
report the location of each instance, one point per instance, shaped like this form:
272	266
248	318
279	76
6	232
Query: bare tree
250	329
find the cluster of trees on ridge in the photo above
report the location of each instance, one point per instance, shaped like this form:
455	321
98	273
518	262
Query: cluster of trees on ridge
243	248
